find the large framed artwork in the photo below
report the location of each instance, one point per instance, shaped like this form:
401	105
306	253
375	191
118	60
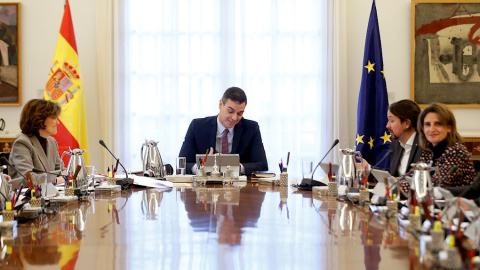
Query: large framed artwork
10	90
446	52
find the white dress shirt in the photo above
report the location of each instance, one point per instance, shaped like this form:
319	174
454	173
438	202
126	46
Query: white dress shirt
402	167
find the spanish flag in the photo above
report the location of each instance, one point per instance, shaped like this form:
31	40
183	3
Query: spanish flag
65	87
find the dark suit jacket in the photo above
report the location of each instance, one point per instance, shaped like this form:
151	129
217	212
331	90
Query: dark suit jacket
247	142
470	192
398	152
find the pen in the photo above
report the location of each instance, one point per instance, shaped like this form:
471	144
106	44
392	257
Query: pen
288	158
29	179
116	166
205	158
18	194
387	188
330	172
77	170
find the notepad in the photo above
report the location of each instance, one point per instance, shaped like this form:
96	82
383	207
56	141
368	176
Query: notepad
263	174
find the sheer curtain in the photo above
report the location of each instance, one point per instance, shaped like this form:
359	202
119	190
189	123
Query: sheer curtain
177	57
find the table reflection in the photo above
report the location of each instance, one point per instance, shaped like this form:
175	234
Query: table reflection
53	240
226	205
208	227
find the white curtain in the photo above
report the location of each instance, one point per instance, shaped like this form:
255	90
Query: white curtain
175	58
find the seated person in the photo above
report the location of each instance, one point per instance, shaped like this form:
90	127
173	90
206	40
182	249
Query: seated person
443	148
470	192
402	124
227	133
35	148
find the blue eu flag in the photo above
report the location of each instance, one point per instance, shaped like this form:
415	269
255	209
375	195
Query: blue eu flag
373	139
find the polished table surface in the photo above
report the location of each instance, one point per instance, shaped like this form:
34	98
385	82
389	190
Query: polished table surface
209	227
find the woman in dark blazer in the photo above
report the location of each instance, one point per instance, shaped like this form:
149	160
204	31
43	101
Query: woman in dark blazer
35	148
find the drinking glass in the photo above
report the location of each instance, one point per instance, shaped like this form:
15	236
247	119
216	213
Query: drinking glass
307	167
181	165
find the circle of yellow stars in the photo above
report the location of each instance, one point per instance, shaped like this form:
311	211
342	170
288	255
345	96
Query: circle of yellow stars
386	138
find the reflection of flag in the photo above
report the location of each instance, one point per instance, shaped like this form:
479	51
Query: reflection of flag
372	140
65	86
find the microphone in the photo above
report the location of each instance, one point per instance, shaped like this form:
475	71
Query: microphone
4	160
35	170
307	184
126	181
389	153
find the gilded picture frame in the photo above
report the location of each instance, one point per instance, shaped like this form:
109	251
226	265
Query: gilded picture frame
10	83
446	53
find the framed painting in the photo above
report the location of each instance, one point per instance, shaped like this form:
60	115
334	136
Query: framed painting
446	52
10	90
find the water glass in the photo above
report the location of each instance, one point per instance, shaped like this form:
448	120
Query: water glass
181	165
307	167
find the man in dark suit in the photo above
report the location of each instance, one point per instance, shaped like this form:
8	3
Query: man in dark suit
228	132
402	124
397	154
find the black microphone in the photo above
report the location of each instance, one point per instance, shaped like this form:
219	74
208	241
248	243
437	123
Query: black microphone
4	160
123	182
16	181
307	184
389	153
35	170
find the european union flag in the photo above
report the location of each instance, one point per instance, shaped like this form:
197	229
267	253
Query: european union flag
373	139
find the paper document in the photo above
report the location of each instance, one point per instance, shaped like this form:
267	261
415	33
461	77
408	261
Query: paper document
188	178
150	182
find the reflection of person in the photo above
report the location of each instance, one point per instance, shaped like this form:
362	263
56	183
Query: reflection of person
244	136
35	148
443	147
234	217
55	248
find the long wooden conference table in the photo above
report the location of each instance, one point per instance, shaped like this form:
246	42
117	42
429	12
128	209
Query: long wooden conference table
210	227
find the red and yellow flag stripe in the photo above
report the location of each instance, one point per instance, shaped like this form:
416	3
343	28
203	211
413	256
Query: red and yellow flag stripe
65	87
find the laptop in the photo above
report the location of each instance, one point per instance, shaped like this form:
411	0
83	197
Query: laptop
223	160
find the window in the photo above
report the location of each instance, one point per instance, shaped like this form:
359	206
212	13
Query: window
180	56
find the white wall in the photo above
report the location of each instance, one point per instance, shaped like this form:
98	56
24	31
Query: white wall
39	25
394	18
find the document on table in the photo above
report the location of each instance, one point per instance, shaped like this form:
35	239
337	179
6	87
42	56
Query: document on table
150	182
